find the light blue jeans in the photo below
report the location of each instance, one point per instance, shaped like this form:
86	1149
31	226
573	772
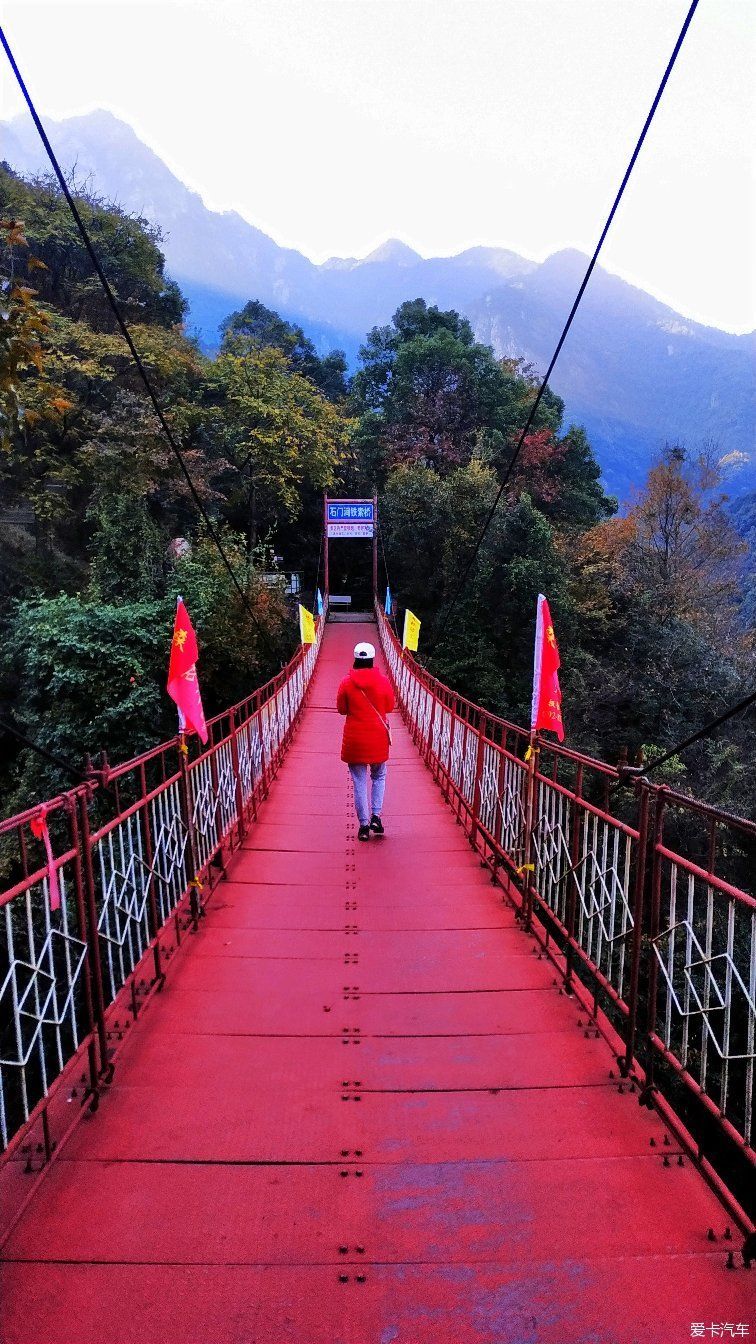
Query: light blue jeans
365	806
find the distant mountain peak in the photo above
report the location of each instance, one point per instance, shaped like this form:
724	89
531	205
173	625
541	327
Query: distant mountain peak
100	122
634	372
102	116
339	264
395	253
568	260
500	260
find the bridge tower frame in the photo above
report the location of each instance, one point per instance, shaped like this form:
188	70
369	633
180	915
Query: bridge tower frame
339	521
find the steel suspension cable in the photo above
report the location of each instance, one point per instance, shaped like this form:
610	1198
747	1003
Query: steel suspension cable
565	330
700	733
126	333
74	771
320	557
385	561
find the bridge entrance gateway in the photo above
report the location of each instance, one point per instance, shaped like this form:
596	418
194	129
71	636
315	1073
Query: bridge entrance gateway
343	1096
349	520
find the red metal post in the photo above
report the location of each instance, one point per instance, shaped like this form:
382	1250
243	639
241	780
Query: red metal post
93	939
238	792
571	904
375	548
429	761
83	930
216	793
185	798
639	893
654	925
144	813
498	821
475	818
326	567
527	866
266	773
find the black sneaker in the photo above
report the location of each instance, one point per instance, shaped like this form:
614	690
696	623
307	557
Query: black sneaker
376	825
363	833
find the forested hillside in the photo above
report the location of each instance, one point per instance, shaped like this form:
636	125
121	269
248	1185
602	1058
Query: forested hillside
92	500
634	372
654	607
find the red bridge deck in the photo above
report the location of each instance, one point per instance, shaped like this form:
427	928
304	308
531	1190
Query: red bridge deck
361	1113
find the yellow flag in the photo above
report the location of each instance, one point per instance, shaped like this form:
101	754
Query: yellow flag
306	626
411	631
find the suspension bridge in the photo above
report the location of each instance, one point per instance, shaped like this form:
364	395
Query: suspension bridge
262	1083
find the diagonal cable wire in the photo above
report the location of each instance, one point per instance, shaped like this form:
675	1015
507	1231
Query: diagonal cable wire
708	728
317	572
125	332
81	776
385	561
565	330
74	771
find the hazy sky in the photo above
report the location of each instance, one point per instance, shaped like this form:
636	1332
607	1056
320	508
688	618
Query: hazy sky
334	124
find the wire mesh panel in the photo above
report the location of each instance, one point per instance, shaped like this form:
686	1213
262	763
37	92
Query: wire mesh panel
424	713
705	1000
512	805
603	881
551	848
693	981
39	1001
442	744
43	953
169	845
250	748
123	878
161	819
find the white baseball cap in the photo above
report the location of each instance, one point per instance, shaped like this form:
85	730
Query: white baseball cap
364	652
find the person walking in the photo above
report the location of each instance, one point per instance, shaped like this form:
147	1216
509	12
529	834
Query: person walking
365	697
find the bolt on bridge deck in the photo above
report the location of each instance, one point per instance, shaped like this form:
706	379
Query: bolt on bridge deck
361	1111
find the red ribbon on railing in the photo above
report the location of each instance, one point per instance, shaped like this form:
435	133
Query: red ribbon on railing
39	829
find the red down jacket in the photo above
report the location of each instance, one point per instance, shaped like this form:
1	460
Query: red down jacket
365	740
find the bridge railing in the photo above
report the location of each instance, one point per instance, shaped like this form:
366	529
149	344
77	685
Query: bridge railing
645	894
135	853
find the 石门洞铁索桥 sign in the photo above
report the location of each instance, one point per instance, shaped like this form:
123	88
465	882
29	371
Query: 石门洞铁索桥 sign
350	517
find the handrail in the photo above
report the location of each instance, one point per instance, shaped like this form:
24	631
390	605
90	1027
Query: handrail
642	893
136	850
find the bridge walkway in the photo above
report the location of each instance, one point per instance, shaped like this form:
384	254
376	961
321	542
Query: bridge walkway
362	1113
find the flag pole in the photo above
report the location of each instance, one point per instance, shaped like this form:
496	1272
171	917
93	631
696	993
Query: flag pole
531	761
531	758
185	808
183	748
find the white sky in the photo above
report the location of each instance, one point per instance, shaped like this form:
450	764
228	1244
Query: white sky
335	124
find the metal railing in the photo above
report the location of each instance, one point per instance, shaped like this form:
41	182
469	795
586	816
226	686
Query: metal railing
646	894
135	853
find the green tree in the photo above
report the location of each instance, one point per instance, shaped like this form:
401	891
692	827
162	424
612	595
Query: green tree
428	393
429	387
663	645
429	522
255	327
92	495
128	249
86	673
22	326
278	436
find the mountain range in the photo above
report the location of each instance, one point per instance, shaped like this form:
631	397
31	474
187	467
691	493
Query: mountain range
634	372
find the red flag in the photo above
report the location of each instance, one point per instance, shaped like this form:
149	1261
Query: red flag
547	697
183	686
